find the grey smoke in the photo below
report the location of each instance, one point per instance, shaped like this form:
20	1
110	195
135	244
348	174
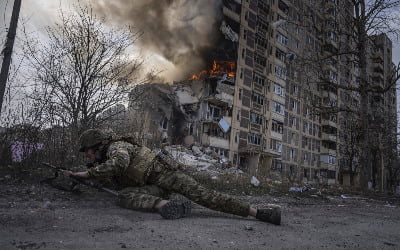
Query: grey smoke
182	31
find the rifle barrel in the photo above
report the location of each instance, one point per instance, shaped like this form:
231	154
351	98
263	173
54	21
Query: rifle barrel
83	181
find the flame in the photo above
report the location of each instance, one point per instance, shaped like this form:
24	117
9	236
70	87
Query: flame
219	68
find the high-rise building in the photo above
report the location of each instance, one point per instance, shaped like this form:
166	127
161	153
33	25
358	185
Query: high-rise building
279	77
285	119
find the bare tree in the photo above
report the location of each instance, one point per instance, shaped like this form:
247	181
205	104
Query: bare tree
83	69
349	148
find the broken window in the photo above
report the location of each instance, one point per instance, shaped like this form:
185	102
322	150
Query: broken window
164	123
276	164
214	111
190	127
215	130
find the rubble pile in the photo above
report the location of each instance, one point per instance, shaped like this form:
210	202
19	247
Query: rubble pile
200	159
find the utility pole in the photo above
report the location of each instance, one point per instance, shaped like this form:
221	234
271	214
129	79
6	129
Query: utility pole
7	51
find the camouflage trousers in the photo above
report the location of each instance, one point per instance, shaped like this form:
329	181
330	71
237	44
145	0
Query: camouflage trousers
161	184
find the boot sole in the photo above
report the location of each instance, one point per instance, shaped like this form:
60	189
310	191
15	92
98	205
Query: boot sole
176	209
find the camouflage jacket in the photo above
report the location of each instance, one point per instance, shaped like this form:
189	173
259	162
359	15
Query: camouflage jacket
126	163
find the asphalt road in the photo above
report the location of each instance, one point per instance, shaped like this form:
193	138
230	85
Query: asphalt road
39	217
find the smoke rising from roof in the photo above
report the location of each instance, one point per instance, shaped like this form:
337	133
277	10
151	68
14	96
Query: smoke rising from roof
181	31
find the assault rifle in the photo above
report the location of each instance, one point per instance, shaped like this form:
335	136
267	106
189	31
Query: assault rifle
76	180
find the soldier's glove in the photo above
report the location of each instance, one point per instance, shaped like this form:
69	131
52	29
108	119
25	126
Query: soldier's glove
67	173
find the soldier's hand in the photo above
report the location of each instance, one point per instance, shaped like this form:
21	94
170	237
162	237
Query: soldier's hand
66	173
84	174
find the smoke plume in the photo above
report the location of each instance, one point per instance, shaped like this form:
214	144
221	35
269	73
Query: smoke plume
181	32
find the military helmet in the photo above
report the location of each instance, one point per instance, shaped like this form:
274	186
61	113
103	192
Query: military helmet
91	138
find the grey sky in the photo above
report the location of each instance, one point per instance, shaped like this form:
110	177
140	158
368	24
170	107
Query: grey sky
37	14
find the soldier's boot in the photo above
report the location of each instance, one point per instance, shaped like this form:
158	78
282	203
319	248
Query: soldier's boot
271	214
176	209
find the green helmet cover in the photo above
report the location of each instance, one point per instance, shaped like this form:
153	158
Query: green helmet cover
91	138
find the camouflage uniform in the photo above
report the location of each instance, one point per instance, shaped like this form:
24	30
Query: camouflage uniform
144	179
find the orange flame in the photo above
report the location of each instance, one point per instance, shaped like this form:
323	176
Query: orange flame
219	68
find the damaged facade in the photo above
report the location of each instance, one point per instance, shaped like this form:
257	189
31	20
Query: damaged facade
250	106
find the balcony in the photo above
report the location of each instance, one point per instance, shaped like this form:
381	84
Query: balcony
327	122
328	137
327	151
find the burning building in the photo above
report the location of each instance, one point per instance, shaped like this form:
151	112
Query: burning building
248	101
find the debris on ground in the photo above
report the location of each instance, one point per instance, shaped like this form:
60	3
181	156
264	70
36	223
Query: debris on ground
305	188
345	196
199	159
254	181
389	205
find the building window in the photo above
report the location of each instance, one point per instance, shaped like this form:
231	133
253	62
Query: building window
259	59
331	35
295	89
277	126
258	99
254	139
294	105
332	159
214	112
279	108
293	121
262	24
164	123
276	165
256	118
276	145
279	90
261	41
280	72
259	79
292	154
280	54
190	128
282	39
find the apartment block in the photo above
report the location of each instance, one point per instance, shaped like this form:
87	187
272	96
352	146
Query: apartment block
269	99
